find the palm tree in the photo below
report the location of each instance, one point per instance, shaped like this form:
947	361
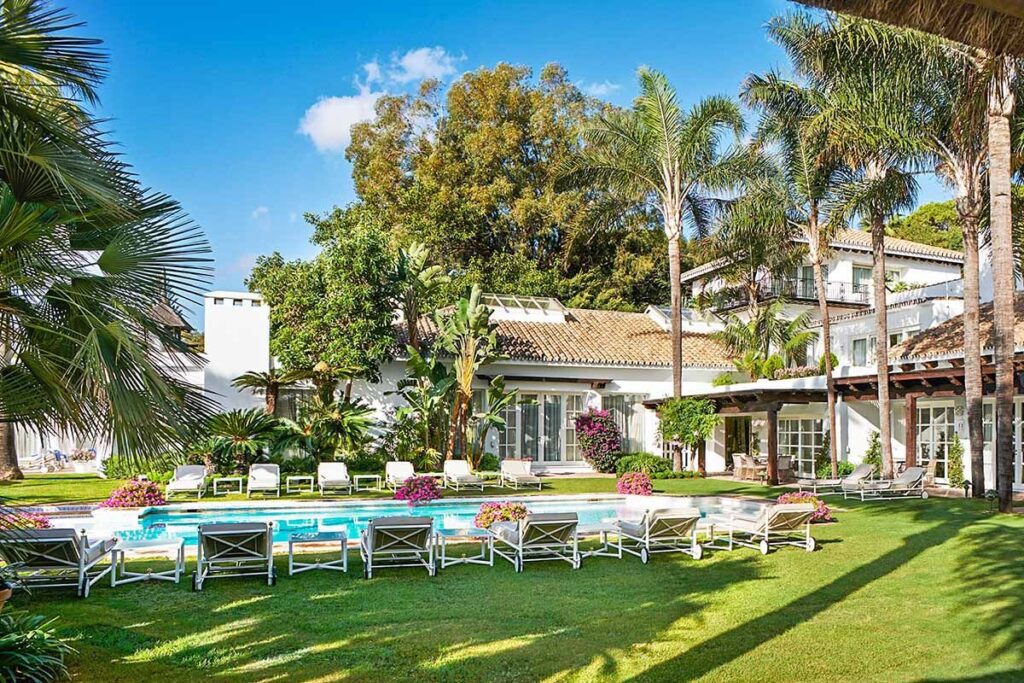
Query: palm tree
812	176
668	159
427	392
268	383
491	416
418	281
768	341
243	436
327	431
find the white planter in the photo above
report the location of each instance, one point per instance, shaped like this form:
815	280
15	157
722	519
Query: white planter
82	466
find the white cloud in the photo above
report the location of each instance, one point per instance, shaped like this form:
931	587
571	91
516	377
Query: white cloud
421	64
259	212
602	89
243	264
373	72
328	123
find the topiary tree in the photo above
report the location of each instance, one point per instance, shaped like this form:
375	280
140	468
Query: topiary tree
873	455
955	463
600	439
688	421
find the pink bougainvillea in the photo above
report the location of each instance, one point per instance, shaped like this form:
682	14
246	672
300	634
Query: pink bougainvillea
822	512
135	494
499	512
600	439
11	519
634	484
418	490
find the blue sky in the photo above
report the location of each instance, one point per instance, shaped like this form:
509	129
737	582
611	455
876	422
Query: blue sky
239	109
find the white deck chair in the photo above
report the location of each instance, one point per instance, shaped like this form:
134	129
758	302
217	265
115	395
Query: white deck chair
516	473
775	526
536	538
910	484
264	478
38	462
188	479
401	541
333	475
55	558
850	482
234	549
396	472
458	476
672	530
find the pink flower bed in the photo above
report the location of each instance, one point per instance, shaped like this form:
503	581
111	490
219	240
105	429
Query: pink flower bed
135	494
499	512
634	484
822	513
418	490
10	519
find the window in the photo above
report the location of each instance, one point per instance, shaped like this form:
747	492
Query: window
237	302
935	430
628	412
508	437
801	440
542	427
988	422
861	279
892	276
804	281
901	335
218	302
573	407
863	351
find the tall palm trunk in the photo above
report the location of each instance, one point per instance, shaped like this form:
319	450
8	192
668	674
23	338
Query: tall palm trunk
826	341
9	469
1000	108
882	341
271	400
456	422
973	388
676	286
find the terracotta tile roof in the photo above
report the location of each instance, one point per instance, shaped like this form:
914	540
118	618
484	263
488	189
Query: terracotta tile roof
894	247
589	337
947	340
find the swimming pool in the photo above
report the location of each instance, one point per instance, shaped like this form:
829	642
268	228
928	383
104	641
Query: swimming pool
451	517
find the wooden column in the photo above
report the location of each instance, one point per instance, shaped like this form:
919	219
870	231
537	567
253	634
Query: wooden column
910	438
702	457
773	445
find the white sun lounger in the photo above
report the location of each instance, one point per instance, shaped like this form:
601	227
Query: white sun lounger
516	473
55	558
775	526
458	476
264	478
537	538
401	541
333	475
396	472
672	530
234	549
188	479
910	484
850	482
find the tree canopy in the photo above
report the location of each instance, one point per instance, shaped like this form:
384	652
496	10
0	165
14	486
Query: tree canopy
935	223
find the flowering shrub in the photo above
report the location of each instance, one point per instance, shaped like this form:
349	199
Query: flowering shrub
499	512
82	455
822	512
134	494
599	439
10	519
634	484
418	490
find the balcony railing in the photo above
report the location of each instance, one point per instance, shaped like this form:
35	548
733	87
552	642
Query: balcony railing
802	290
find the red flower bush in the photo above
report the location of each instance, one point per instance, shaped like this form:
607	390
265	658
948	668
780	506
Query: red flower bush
634	484
418	490
600	440
499	512
822	512
135	494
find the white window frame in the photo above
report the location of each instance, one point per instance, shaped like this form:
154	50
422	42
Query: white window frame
801	438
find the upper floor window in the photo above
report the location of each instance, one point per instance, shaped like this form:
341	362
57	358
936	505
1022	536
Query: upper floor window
861	279
863	351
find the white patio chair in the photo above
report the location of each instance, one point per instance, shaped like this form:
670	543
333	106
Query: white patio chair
672	530
401	541
188	479
396	472
458	476
333	475
537	538
775	526
264	478
910	484
234	549
516	473
55	558
850	482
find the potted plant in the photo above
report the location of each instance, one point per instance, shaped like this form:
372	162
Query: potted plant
83	461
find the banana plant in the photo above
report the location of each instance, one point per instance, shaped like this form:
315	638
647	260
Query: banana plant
490	417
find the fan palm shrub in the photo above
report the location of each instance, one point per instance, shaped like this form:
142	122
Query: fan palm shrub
239	438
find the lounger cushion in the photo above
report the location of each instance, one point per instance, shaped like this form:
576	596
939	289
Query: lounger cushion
466	479
506	531
819	482
99	549
402	520
232	527
49	534
637	529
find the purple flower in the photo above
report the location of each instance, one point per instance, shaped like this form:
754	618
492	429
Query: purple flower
822	512
634	484
418	490
499	512
134	494
599	438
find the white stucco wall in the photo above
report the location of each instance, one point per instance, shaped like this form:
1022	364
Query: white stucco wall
237	337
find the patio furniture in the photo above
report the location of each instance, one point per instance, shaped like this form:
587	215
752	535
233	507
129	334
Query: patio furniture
222	486
334	475
403	541
38	462
537	538
319	537
302	482
397	472
910	484
55	558
755	470
120	576
234	549
360	478
485	554
188	479
930	471
672	530
775	526
851	482
264	478
784	468
517	473
739	467
458	476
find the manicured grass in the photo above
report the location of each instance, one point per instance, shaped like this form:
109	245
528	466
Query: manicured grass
51	489
901	591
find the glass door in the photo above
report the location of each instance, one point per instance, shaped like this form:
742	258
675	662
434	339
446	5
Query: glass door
529	428
935	428
573	407
552	443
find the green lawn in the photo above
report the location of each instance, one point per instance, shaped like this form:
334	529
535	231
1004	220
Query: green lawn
914	590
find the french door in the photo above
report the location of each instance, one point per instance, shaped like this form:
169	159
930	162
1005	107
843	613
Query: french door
544	426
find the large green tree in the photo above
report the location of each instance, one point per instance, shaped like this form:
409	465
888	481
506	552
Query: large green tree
935	223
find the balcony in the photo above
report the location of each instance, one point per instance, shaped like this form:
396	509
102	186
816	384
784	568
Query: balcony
798	290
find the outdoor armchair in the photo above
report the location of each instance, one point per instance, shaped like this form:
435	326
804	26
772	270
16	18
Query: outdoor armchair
234	549
333	475
55	558
402	541
458	476
672	530
188	479
536	538
264	478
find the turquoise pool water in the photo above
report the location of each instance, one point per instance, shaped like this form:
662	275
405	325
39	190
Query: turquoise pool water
452	518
